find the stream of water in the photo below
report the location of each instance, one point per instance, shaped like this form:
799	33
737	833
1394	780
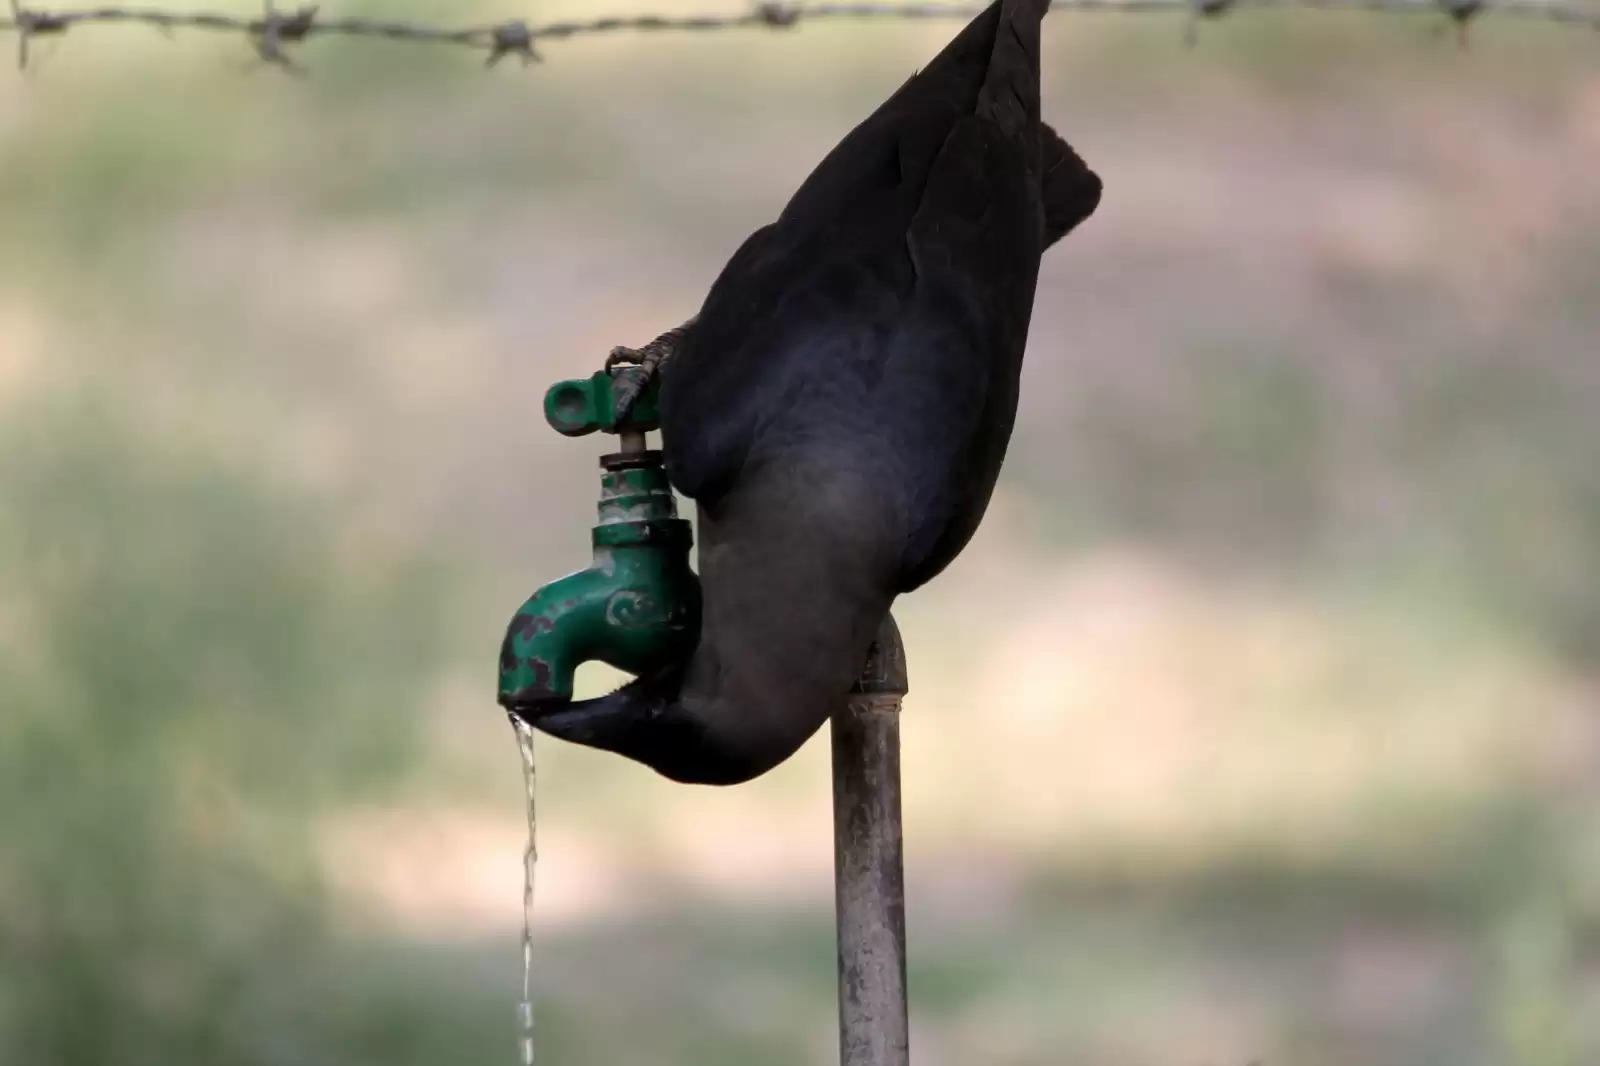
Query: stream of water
530	860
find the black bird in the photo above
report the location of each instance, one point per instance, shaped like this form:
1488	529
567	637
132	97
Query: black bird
840	406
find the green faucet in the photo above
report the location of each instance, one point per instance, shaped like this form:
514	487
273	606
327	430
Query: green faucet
637	606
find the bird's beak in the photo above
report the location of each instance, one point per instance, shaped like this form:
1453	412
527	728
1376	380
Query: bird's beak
644	721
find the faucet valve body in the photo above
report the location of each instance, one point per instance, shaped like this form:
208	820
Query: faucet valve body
637	606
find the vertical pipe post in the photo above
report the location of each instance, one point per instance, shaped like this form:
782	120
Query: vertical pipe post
869	863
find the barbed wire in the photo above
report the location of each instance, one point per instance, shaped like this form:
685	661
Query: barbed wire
274	29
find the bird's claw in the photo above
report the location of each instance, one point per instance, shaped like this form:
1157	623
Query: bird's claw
621	356
648	359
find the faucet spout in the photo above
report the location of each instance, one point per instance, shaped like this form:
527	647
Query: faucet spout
636	607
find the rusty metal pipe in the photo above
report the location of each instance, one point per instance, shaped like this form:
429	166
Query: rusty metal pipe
869	862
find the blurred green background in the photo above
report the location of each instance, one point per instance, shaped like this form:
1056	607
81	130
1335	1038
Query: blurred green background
1260	723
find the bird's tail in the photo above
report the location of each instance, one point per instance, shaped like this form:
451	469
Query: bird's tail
1010	94
1069	190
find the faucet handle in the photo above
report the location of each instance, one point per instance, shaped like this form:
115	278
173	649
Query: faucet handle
580	406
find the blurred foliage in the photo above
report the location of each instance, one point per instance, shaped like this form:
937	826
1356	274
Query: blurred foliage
191	669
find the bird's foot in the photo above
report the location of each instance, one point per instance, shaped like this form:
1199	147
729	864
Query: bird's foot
648	359
621	356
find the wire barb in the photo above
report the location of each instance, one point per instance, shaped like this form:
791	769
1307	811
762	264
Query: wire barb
777	14
1203	9
30	24
274	30
1462	12
512	38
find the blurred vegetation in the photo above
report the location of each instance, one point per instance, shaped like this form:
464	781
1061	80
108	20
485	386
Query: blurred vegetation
1258	724
174	637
